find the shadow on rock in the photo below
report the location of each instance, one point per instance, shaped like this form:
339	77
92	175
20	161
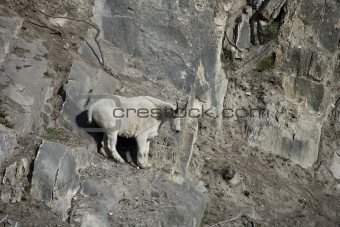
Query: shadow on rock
126	147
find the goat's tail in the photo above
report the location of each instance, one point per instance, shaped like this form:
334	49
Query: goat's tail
89	114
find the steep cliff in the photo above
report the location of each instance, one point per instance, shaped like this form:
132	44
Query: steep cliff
261	73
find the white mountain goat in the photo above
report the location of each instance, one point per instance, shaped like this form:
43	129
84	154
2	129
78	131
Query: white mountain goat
139	117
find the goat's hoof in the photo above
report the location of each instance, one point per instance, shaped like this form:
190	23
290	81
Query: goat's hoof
120	161
147	166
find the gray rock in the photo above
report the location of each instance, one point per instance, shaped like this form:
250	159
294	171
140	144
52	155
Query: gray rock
242	32
299	142
16	194
113	57
150	199
255	3
8	143
271	9
166	39
56	175
335	166
6	195
23	99
312	94
10	173
201	187
22	169
89	187
46	114
9	28
324	30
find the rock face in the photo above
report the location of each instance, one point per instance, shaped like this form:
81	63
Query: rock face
10	27
126	201
266	71
21	63
294	122
157	38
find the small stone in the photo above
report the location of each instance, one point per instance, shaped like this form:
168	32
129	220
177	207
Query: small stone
10	173
248	93
201	187
110	214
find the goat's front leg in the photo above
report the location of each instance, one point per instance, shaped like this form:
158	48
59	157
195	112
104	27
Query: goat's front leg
143	152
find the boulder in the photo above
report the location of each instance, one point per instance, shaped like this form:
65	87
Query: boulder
335	166
8	143
56	175
271	9
255	3
9	28
242	32
148	198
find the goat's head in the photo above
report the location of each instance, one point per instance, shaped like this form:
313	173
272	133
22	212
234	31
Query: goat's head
177	114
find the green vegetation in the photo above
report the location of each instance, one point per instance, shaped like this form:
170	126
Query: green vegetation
304	19
228	60
269	32
267	63
206	218
48	74
3	116
219	194
302	202
283	158
202	144
246	193
52	134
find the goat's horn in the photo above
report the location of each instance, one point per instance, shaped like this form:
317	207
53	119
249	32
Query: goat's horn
185	106
176	105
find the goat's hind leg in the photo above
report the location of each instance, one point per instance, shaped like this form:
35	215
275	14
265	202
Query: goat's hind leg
143	153
104	150
111	145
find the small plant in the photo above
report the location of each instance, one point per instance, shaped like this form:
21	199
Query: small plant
219	194
228	172
304	19
246	193
269	32
228	60
2	111
283	158
206	217
302	202
52	134
201	145
267	63
3	116
48	74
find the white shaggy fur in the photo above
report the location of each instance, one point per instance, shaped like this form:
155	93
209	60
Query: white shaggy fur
131	125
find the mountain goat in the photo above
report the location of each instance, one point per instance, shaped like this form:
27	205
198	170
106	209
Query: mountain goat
139	117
